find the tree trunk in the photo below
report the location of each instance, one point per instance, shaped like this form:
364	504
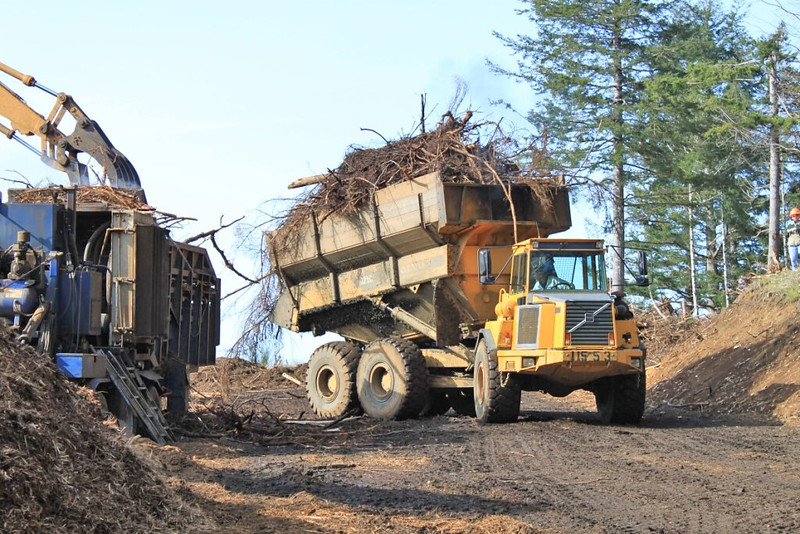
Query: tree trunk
712	252
774	170
692	274
618	211
724	257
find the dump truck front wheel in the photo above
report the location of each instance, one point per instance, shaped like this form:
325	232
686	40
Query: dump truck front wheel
620	399
331	379
392	379
497	397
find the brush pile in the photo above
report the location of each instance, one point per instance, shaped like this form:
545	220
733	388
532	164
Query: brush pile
453	150
460	151
61	469
113	197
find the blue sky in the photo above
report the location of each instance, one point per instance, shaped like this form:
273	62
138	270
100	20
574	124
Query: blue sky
220	105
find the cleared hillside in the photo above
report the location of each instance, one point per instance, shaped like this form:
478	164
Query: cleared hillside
744	360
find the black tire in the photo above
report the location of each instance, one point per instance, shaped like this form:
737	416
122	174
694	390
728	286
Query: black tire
102	398
620	399
437	403
331	379
392	379
462	401
495	401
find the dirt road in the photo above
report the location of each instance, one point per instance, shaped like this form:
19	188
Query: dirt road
556	470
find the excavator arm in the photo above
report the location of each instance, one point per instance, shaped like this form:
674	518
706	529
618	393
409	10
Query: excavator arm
60	150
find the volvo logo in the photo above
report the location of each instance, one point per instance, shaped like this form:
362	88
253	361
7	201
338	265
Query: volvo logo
588	317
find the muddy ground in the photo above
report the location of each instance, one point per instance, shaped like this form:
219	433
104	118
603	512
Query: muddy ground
718	449
555	470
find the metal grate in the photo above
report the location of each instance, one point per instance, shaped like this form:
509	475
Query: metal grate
596	324
527	326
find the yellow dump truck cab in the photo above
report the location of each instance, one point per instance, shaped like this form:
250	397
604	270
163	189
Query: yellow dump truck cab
558	329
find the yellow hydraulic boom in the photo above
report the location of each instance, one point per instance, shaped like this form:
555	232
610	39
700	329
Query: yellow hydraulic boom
60	150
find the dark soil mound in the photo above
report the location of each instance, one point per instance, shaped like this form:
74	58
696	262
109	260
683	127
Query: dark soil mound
61	469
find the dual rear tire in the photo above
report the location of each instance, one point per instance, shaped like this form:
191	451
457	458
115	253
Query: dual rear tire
331	379
388	379
392	380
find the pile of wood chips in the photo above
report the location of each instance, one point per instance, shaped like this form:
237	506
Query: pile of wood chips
61	468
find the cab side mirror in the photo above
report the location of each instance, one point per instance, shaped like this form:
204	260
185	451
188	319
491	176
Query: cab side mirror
641	277
485	267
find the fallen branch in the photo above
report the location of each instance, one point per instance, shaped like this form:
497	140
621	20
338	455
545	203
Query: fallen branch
687	405
309	180
228	263
292	379
210	233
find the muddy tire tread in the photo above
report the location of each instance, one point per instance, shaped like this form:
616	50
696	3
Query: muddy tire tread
416	377
413	372
626	395
348	355
504	400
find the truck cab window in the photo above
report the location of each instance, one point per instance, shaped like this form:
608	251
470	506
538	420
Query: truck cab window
568	270
518	273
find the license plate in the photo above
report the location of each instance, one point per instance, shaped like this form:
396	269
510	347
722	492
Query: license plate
591	356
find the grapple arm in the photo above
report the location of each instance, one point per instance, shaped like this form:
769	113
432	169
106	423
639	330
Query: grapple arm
59	150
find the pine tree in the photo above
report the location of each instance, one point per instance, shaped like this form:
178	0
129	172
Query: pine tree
704	81
780	121
586	60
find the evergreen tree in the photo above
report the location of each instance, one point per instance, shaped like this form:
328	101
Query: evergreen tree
586	60
704	81
779	120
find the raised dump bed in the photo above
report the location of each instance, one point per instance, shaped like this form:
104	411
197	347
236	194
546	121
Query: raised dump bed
412	251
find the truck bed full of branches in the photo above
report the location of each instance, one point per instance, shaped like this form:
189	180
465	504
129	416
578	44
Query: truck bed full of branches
458	150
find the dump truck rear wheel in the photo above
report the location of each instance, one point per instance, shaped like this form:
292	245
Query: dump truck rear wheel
331	379
497	397
462	401
620	399
392	379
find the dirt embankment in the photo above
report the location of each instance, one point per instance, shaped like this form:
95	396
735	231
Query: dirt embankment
746	360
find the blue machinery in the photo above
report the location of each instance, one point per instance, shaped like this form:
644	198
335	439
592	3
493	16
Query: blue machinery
120	306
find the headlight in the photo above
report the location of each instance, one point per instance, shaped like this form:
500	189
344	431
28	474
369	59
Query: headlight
636	362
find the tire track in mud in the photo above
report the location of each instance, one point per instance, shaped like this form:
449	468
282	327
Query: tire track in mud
666	476
555	470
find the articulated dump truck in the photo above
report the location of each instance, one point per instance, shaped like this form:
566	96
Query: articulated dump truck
407	281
